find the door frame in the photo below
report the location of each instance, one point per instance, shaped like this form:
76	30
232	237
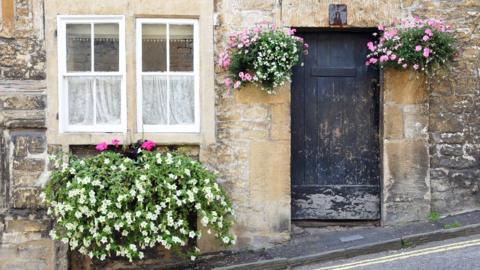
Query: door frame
380	124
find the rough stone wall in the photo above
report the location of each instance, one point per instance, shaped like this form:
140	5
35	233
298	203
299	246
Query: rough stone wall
252	151
24	243
454	108
406	181
22	46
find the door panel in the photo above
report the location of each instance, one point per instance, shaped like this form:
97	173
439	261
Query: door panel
335	143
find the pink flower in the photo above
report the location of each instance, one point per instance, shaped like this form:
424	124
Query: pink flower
227	82
383	58
115	142
404	65
373	60
370	46
101	146
425	38
248	77
418	48
237	84
148	145
224	60
381	27
389	53
426	52
393	57
291	31
306	46
428	32
415	66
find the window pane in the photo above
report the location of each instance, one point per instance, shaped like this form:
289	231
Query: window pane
154	48
106	47
181	47
79	47
182	99
154	100
108	100
80	100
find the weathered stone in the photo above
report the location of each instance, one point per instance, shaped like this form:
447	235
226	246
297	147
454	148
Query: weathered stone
29	164
404	87
27	198
23	119
406	180
415	121
25	225
451	149
393	124
24	102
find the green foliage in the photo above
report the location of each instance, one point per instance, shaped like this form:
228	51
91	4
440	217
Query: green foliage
109	204
453	225
433	216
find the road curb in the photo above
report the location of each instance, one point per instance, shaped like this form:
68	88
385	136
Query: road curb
393	244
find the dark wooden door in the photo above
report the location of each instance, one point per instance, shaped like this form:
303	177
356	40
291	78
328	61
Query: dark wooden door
335	120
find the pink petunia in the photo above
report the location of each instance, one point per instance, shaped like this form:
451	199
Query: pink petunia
101	146
237	84
370	46
373	60
393	57
429	32
381	27
426	52
248	77
418	48
115	142
227	82
404	65
425	38
383	58
291	31
148	145
224	60
416	66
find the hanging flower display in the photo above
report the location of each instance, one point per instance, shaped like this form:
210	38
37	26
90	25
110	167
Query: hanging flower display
263	55
423	45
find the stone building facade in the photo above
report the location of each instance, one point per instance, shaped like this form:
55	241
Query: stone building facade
430	142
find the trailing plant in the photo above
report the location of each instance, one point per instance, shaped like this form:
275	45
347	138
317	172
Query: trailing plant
123	200
424	45
263	55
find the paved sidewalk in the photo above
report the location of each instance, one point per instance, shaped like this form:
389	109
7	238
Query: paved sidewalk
323	244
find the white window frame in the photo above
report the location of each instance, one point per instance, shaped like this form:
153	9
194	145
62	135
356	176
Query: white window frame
62	21
192	128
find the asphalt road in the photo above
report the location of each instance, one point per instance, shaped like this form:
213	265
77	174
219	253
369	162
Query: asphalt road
455	254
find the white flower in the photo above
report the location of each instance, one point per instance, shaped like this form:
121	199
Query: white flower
187	172
191	234
205	221
106	161
226	240
122	167
192	258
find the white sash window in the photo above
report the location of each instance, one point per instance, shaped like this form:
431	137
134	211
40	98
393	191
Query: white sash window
91	63
167	75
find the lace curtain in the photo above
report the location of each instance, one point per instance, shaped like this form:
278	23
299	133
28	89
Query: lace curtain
81	100
178	98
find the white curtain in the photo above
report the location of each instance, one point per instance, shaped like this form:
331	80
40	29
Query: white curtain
182	99
154	100
108	103
80	100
